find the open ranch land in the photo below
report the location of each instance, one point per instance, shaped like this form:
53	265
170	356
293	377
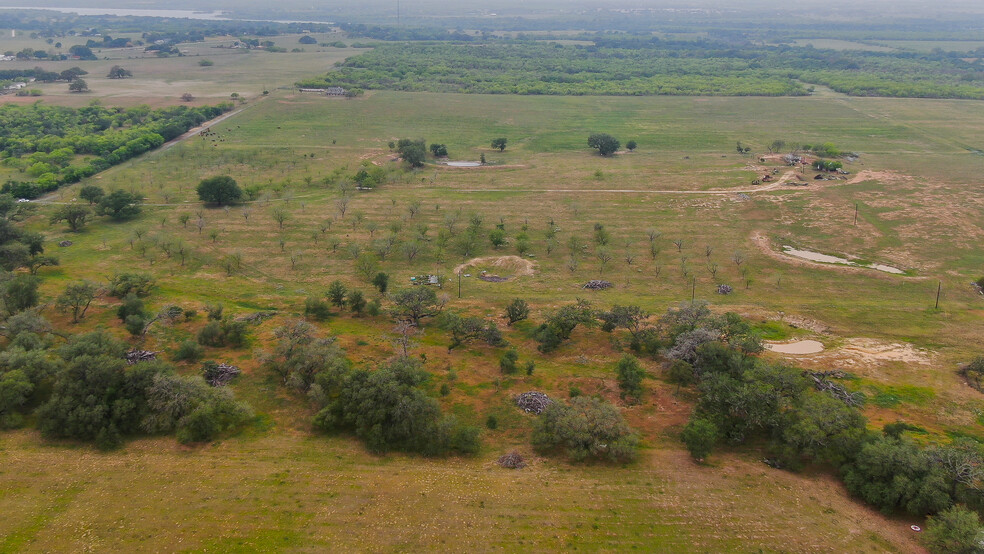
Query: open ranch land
670	221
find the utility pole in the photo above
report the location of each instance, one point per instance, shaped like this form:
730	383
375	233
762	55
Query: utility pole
939	289
855	214
459	284
693	291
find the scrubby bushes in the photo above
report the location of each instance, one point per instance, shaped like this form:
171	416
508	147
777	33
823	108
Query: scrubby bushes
388	410
586	428
97	397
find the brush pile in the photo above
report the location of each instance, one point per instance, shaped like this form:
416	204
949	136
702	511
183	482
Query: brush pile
533	402
135	356
596	284
822	382
219	375
511	461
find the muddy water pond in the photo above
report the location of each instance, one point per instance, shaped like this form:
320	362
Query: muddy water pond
798	347
828	259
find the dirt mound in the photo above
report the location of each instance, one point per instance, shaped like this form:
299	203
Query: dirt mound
501	264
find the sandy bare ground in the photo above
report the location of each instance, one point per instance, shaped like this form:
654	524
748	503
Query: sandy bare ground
512	264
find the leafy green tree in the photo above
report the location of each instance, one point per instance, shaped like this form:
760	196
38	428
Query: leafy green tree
381	282
605	144
76	299
120	205
559	326
91	194
517	310
700	435
499	143
316	309
629	373
413	152
387	409
15	391
19	293
74	214
122	284
508	361
337	293
189	351
497	237
466	329
220	190
956	530
630	146
587	428
78	85
118	72
416	303
439	150
357	302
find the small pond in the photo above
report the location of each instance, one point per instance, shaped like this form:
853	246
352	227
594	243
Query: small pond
828	259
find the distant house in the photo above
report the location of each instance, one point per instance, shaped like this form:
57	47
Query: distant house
336	91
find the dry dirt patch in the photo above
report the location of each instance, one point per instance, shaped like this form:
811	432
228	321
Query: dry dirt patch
513	265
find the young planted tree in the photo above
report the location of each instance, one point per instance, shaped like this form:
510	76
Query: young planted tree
336	293
499	143
629	373
517	310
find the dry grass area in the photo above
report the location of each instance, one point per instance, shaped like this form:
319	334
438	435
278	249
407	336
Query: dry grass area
287	491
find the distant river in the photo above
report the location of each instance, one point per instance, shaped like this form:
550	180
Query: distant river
180	14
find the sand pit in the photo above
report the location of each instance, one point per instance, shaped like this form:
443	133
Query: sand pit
501	266
800	347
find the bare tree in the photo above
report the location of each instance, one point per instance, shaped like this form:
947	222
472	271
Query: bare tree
342	205
679	244
708	251
738	258
712	268
413	208
295	256
247	211
604	256
405	333
653	234
372	227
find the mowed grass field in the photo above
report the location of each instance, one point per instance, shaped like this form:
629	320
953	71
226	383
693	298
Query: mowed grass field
920	205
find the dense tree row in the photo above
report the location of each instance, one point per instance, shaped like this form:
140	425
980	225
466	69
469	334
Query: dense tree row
45	141
634	66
